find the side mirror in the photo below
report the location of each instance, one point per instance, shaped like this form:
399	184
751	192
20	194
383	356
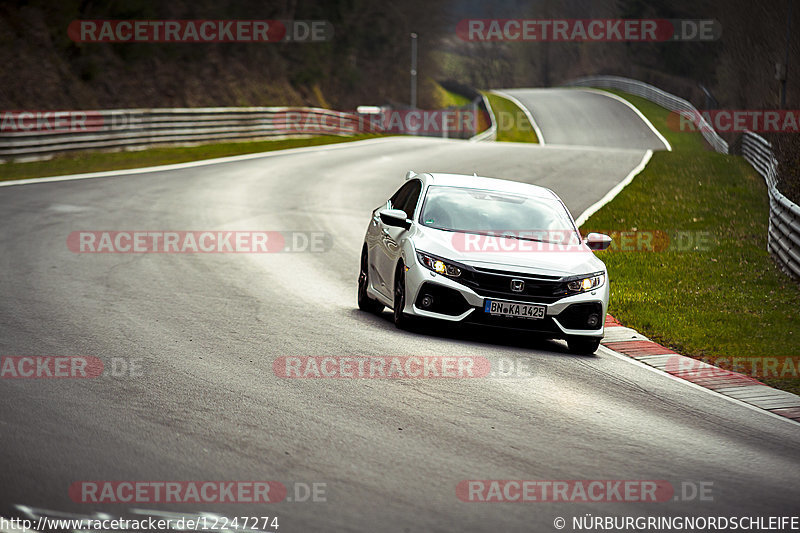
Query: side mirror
396	218
597	241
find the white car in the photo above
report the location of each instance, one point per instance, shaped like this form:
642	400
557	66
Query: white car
484	251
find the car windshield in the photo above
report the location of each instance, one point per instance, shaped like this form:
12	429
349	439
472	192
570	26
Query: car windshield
497	213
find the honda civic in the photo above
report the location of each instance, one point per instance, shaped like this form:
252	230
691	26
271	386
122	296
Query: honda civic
484	251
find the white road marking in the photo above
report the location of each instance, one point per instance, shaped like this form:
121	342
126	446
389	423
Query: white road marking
631	360
610	195
635	110
527	114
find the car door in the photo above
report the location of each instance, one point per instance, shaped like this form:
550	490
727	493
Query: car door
405	198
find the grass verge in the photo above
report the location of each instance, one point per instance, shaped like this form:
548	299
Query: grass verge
714	291
512	123
80	162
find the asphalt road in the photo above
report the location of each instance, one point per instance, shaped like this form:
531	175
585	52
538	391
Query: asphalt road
205	329
586	118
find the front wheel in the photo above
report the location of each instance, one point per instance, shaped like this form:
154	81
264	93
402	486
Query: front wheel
365	303
400	318
583	345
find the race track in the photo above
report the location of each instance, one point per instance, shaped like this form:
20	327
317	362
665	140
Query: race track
584	117
206	328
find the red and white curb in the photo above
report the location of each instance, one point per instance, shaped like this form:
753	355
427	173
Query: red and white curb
631	343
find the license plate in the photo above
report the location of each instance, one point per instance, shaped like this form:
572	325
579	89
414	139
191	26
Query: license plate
513	309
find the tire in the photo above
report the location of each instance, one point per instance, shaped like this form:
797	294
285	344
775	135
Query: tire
365	303
400	319
583	345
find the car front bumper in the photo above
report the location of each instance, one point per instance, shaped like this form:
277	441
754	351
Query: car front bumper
459	303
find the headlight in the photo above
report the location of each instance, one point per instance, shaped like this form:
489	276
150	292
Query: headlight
438	266
578	284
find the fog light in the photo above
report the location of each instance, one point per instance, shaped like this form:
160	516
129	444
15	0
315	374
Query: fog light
427	301
593	321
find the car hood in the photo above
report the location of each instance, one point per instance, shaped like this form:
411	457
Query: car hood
503	253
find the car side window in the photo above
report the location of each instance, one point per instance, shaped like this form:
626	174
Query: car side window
410	202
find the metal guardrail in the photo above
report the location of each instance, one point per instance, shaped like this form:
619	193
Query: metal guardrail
662	98
109	129
36	134
758	152
783	240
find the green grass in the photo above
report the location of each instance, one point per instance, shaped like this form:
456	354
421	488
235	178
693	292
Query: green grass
512	124
724	298
79	162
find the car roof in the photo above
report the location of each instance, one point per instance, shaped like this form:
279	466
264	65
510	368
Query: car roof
493	184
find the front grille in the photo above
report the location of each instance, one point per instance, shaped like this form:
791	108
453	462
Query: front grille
497	284
544	325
